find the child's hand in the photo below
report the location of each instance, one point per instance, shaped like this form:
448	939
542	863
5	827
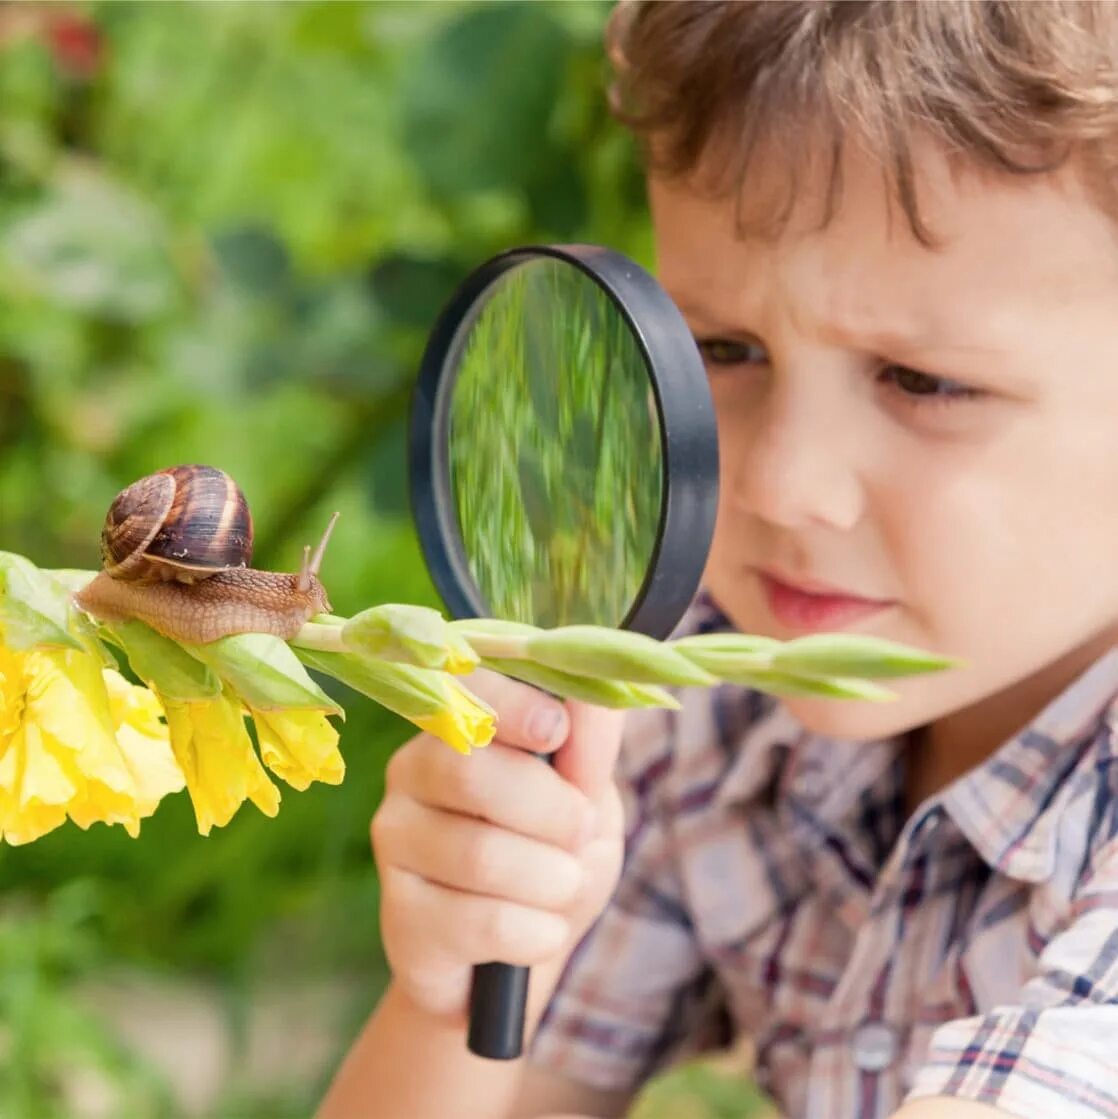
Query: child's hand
497	856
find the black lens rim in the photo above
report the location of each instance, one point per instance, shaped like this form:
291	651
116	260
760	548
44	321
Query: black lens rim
687	422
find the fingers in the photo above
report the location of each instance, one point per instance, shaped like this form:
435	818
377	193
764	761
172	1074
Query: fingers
501	784
587	738
589	756
527	717
444	923
473	856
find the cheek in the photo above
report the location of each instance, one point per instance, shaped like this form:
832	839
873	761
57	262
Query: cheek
1010	561
732	437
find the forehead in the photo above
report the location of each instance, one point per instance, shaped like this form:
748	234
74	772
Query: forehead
1002	241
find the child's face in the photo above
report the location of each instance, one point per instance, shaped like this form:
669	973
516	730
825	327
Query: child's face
937	429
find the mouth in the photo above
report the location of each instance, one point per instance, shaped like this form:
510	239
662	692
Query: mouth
811	606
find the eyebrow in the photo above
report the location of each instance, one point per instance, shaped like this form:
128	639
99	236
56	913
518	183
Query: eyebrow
883	340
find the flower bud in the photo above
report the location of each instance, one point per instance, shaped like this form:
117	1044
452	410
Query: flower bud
431	700
616	655
588	689
725	655
825	687
264	671
414	635
835	654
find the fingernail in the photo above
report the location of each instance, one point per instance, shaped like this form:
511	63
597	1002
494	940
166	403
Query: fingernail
545	725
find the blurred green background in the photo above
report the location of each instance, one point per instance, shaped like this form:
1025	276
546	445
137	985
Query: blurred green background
226	229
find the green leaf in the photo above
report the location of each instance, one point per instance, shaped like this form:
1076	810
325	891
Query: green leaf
34	608
263	671
604	693
92	246
826	654
616	655
558	195
254	259
696	1090
473	119
412	289
386	476
162	663
534	496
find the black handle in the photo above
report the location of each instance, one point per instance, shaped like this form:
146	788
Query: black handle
498	995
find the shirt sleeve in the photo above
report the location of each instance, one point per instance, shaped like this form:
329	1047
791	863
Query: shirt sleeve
637	986
1056	1052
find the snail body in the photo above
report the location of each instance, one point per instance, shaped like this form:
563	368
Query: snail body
175	550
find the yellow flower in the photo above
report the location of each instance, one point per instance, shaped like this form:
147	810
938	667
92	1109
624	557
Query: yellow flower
143	738
65	750
299	745
463	722
212	745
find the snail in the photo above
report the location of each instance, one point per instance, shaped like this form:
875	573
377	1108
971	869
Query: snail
175	553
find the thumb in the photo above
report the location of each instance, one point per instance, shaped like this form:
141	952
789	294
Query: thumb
588	758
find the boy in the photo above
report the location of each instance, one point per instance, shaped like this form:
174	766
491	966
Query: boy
891	228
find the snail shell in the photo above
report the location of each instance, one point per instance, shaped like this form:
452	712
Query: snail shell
181	524
175	550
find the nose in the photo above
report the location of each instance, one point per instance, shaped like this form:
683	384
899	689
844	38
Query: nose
794	463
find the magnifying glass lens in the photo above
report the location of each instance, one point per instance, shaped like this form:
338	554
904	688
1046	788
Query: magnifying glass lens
556	452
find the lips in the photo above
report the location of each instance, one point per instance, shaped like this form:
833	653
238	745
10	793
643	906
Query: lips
810	606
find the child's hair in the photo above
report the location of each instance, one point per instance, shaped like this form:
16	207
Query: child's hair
1012	86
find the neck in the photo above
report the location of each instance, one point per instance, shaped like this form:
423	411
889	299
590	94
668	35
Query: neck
951	746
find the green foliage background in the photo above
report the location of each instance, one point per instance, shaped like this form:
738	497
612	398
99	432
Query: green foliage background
225	230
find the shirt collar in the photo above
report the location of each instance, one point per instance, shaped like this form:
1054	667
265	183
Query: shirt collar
1009	807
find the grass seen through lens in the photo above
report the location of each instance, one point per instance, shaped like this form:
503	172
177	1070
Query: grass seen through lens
555	447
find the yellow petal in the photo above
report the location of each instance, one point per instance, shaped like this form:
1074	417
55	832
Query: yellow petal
66	751
34	788
299	746
458	663
11	695
66	699
463	723
213	749
145	743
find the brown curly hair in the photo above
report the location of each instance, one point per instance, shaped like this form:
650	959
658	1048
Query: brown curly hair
1008	86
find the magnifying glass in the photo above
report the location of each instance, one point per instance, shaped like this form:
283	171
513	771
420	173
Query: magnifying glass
564	471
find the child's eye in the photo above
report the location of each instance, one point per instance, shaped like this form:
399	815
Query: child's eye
926	388
724	351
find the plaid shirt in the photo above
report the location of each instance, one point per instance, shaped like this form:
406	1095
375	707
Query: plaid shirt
771	876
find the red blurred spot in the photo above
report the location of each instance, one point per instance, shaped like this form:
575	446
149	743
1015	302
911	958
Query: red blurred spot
76	44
